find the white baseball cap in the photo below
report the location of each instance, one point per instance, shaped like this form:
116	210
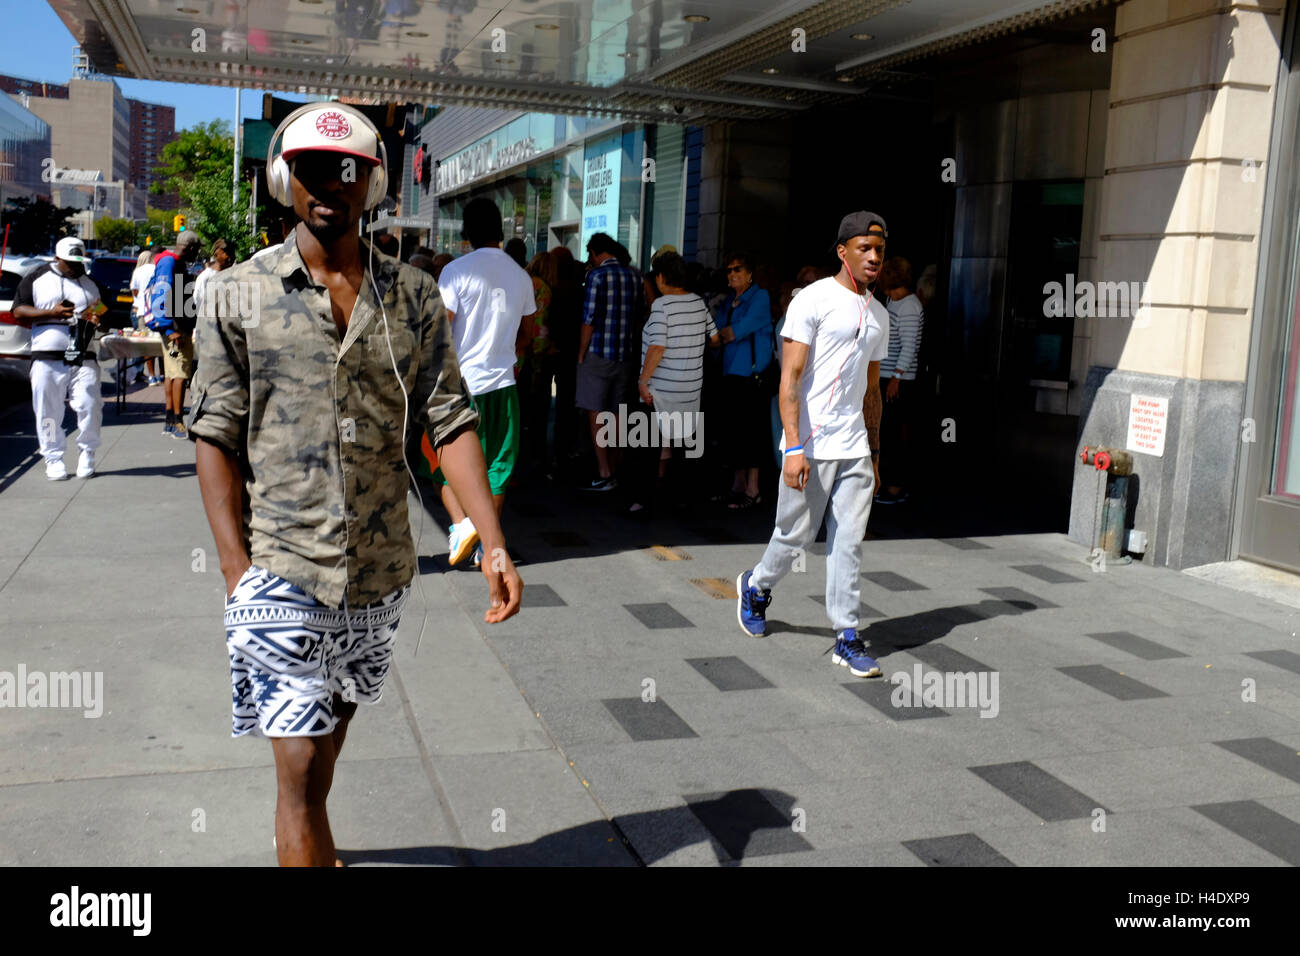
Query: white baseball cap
330	128
71	249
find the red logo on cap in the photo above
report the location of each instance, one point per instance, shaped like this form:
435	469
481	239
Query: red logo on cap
333	125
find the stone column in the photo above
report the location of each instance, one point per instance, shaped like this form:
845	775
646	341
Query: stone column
1191	98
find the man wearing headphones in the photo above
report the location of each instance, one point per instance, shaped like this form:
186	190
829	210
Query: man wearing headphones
834	337
302	402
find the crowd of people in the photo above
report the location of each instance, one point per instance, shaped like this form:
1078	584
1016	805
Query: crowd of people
561	355
602	344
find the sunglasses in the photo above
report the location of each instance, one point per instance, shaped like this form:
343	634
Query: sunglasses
731	269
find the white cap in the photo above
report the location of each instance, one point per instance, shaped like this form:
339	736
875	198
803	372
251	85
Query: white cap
71	249
331	128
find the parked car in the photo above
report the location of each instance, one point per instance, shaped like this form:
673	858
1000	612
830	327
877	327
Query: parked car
15	336
113	276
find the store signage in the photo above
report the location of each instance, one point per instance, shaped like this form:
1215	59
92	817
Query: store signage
403	222
1147	417
603	172
482	159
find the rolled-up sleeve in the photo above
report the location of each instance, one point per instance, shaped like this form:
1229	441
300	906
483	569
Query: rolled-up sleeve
219	409
440	393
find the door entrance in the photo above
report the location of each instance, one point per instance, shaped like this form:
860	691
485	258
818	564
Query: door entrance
1270	528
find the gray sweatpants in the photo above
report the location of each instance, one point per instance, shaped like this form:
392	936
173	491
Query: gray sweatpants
847	486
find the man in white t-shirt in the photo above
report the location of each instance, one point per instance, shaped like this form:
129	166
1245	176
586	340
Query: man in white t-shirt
834	337
58	299
487	297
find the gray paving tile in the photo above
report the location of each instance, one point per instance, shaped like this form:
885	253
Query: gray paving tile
873	854
1167	836
542	595
648	721
1045	573
965	544
1287	660
891	581
1015	595
659	615
1269	754
773	709
729	673
905	804
1263	827
865	611
1137	646
944	658
1035	789
745	824
879	694
1120	686
670	768
1169	721
962	849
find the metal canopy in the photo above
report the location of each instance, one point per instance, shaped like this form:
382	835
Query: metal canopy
646	60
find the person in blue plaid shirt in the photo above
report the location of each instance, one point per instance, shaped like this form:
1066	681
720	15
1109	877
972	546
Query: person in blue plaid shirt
612	301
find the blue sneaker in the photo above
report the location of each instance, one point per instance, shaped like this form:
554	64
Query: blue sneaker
850	652
751	606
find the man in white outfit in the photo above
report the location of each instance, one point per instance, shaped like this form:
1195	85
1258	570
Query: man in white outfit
834	338
57	299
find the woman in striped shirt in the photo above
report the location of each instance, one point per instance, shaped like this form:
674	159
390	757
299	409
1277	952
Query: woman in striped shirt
898	378
672	367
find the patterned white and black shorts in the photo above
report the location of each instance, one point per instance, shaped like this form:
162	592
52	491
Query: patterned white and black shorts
290	655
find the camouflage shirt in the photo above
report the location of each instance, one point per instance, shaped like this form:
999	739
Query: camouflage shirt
317	422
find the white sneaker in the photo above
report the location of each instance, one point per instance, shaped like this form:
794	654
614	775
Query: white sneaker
461	541
86	464
56	470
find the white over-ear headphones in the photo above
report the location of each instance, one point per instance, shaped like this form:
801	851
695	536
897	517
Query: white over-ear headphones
277	169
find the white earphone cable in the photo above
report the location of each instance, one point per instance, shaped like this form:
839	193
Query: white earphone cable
406	417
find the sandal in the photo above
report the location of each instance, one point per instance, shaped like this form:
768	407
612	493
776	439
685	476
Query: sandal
745	502
727	497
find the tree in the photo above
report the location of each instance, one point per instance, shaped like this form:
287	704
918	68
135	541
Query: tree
202	151
35	225
214	215
158	227
115	233
197	166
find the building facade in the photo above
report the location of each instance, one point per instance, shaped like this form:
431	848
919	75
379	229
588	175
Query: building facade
561	179
24	144
153	126
1107	192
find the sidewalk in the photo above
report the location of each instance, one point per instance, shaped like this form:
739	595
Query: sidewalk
1120	697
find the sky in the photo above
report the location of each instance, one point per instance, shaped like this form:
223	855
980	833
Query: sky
39	47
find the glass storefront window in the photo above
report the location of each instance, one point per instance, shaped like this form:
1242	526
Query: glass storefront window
667	194
629	210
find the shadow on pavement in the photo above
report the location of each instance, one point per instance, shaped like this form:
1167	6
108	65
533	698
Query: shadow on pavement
914	630
743	823
179	470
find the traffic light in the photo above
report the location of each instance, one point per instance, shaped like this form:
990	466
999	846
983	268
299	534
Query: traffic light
178	223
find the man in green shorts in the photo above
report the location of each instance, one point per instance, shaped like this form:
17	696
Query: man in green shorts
487	297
